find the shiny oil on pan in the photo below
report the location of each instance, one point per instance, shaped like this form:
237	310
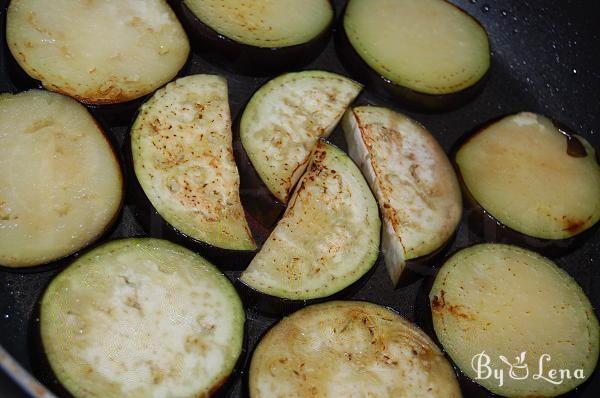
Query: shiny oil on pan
544	60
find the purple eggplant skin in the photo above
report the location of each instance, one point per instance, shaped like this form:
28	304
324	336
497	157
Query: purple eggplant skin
112	114
246	372
276	306
410	98
263	208
156	226
244	58
424	266
110	228
43	371
486	226
423	319
118	114
63	262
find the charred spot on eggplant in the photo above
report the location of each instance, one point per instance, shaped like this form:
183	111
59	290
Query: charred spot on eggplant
97	52
158	320
416	187
284	120
182	154
259	36
349	348
513	304
427	54
536	187
61	186
328	237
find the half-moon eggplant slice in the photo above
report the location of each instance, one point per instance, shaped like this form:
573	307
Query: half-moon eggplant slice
260	36
284	120
426	53
502	308
99	52
349	349
538	183
141	318
60	182
182	153
413	180
328	237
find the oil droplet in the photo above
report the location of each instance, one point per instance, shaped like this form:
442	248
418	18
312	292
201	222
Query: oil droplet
486	8
504	13
6	316
574	71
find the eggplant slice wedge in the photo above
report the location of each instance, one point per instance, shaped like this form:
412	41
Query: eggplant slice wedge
413	180
533	177
141	318
183	158
427	53
328	237
60	182
284	120
349	348
260	35
505	301
99	52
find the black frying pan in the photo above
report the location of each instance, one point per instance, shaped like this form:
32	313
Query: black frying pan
546	59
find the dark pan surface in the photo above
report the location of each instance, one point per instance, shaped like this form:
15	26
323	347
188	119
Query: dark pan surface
546	59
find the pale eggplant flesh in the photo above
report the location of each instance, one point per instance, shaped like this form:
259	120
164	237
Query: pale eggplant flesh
61	186
514	306
258	37
328	237
158	320
430	55
182	153
106	52
349	348
414	183
284	120
531	181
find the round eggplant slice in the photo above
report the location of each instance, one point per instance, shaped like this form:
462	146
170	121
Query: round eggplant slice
349	349
502	308
284	120
260	35
99	52
413	180
60	182
183	158
328	237
532	177
428	53
141	318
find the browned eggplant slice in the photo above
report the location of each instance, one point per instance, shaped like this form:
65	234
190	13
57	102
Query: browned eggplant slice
60	182
99	52
260	36
284	120
539	183
349	349
157	321
521	312
183	159
328	237
428	54
413	180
